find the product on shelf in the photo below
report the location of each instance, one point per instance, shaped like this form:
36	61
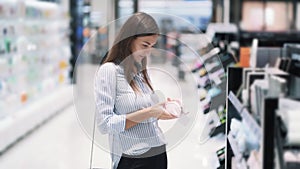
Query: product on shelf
254	160
221	155
244	56
34	55
214	91
222	114
202	72
197	66
202	94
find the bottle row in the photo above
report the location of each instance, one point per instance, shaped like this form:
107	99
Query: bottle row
34	53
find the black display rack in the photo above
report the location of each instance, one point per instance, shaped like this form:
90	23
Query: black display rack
269	128
80	12
235	109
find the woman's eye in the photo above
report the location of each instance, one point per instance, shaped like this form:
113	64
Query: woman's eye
145	46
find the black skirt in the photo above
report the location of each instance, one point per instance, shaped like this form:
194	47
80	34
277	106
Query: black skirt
155	158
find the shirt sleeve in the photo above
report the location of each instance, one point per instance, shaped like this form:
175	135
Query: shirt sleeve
105	94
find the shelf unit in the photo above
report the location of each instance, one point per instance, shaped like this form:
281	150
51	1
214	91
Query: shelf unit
212	77
213	82
215	87
263	132
266	129
25	120
34	66
278	38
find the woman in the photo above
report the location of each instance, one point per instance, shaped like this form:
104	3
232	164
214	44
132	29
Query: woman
127	108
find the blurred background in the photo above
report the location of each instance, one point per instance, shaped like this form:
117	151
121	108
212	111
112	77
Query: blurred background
51	49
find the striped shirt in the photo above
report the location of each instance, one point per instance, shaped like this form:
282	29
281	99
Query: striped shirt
114	99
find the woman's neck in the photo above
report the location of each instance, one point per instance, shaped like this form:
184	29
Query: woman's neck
137	67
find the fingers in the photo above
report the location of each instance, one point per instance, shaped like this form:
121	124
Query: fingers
177	100
166	116
161	112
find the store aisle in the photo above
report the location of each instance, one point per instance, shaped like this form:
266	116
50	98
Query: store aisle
62	144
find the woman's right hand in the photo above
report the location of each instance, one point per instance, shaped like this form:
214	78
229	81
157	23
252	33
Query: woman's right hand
158	111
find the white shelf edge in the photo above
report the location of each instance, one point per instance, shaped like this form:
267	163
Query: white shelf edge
249	120
33	115
235	101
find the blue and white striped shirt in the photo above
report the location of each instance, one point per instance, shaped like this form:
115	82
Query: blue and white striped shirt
114	99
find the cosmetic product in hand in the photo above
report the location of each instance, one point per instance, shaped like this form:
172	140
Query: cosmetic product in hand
175	108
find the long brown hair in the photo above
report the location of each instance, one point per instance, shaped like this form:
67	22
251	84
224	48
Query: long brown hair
139	24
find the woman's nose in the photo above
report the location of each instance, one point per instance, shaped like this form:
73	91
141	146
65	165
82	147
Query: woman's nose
147	52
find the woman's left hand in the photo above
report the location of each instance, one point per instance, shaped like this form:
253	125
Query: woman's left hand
166	116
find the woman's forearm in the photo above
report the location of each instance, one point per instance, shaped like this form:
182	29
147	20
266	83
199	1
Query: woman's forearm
156	111
134	118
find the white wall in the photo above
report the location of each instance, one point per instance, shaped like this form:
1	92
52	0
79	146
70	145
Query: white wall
105	8
65	4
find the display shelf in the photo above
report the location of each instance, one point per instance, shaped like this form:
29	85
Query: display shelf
268	132
221	157
219	129
235	101
240	161
34	62
234	107
210	55
234	147
249	120
268	125
14	127
215	106
251	123
212	80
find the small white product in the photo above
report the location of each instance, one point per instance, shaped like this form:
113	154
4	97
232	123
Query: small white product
173	107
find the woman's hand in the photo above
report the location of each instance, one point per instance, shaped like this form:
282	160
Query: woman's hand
178	101
158	111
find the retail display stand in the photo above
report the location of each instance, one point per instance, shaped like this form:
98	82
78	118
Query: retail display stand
29	117
212	86
266	150
34	66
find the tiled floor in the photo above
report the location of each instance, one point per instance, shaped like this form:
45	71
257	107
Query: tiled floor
62	144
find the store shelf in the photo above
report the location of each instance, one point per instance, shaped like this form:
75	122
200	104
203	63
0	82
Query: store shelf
268	131
219	129
252	124
247	118
238	156
211	54
235	101
269	38
234	146
20	123
29	65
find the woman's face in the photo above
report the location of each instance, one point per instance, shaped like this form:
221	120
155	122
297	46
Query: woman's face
141	47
